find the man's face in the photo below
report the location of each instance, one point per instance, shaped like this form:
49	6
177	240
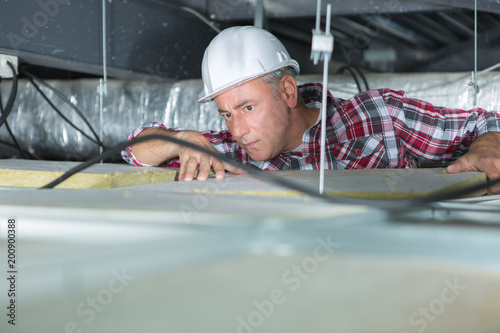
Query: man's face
256	118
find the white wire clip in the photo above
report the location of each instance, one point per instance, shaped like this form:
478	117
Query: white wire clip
475	87
322	42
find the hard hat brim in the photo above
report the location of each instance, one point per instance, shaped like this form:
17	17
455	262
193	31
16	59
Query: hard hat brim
210	97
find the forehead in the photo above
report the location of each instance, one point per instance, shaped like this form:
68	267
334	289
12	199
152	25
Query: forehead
253	89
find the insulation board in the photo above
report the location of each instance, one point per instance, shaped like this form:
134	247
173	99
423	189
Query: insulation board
366	184
369	184
31	173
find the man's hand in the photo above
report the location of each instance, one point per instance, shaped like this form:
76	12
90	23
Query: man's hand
156	152
483	155
190	159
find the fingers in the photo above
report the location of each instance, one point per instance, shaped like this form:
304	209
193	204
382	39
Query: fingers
456	167
233	169
468	162
473	162
190	162
483	155
492	171
219	169
187	168
189	165
495	189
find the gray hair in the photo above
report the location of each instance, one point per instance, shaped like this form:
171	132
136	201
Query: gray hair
273	79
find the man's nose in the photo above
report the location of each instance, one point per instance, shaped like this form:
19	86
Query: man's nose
240	127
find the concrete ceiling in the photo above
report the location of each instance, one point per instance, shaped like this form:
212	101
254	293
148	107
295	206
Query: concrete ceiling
167	38
244	9
378	35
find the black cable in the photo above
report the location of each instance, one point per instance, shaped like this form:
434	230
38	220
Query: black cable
201	17
217	155
67	101
12	95
16	144
10	144
350	68
362	77
25	153
341	70
266	176
60	113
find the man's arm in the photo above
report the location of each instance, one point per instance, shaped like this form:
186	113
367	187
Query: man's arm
156	152
439	134
483	155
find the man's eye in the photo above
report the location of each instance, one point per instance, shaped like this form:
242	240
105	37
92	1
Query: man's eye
226	115
249	108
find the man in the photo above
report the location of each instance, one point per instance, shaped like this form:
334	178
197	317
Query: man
274	124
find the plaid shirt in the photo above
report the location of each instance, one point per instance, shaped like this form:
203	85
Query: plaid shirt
374	129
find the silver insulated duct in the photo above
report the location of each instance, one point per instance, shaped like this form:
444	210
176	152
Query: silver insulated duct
128	104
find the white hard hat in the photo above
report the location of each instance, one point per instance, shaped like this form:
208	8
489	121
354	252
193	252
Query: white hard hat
238	55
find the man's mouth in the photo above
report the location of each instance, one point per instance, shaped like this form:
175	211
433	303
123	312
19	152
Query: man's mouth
249	145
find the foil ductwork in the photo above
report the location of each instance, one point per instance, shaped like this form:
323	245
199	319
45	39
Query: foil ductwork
40	131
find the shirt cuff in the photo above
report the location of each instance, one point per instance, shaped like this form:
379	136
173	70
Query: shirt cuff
127	154
489	121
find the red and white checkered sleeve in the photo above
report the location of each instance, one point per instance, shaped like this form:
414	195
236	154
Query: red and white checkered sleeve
439	133
127	154
222	141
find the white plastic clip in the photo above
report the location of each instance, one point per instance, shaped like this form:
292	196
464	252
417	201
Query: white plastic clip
322	42
475	87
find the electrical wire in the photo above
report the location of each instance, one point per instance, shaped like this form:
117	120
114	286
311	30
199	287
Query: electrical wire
365	82
10	144
351	70
56	109
16	143
458	79
67	101
10	103
443	84
24	154
489	69
12	95
341	71
266	176
202	18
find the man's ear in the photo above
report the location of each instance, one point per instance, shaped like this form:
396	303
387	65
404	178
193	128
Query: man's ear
289	91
